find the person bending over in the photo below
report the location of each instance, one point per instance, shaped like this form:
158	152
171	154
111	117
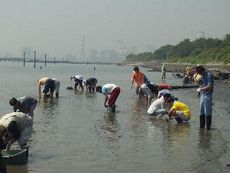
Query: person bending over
16	126
90	84
111	92
24	104
78	82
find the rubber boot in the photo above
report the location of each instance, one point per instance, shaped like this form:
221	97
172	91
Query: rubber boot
202	121
208	122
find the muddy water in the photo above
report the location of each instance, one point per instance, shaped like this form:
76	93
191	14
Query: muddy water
76	134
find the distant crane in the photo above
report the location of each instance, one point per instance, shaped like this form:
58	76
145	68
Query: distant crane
82	49
123	50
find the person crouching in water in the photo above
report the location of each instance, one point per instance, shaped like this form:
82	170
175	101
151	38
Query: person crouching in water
179	110
111	92
157	108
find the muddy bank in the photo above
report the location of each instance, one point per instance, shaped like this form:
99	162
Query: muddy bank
219	71
176	68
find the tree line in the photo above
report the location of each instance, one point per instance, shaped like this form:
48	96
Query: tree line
202	50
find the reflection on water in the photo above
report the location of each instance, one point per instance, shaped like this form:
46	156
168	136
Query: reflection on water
48	106
138	108
176	139
204	140
16	169
211	147
111	126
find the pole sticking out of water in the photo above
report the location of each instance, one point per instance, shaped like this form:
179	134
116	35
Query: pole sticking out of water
45	60
24	59
54	60
35	59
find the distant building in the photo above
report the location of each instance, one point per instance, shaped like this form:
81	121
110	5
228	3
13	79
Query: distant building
201	34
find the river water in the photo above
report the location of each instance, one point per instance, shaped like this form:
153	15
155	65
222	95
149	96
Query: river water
74	133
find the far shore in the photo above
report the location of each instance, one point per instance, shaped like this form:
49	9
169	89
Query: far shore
179	67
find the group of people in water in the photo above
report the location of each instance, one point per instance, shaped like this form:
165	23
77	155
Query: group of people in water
17	125
110	90
166	104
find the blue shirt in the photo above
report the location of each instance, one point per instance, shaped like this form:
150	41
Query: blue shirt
207	80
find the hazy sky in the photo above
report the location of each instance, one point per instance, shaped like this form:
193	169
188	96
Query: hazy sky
57	26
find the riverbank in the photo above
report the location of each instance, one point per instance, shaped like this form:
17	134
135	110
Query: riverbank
220	71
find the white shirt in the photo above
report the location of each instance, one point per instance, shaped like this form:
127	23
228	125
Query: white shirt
157	104
108	88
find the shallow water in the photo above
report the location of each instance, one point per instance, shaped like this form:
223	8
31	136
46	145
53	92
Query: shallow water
74	133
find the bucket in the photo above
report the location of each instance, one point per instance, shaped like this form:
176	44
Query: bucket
15	157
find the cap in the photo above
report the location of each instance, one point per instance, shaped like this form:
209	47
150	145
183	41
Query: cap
13	101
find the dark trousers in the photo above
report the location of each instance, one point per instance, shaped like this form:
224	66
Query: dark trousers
113	96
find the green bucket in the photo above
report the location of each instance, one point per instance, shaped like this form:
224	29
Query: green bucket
15	157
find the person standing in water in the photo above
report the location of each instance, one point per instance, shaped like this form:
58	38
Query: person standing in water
163	72
205	89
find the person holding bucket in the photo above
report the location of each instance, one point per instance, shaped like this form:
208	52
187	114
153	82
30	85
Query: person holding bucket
111	92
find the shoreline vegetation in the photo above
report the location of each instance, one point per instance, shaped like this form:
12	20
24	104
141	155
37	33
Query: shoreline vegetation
213	54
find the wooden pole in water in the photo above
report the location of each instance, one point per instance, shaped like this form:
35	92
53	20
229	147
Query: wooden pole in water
24	59
54	60
45	60
35	59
